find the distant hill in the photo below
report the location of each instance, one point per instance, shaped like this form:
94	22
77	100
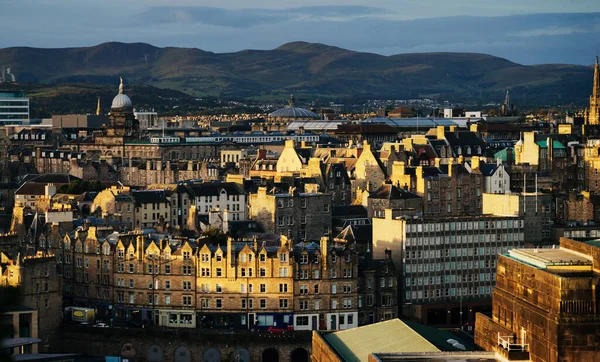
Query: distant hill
305	69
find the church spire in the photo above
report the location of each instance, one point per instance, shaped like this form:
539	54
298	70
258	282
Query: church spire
596	91
121	86
507	99
98	108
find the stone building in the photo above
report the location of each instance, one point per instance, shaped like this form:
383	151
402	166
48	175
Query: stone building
545	304
388	196
40	290
137	278
446	189
140	172
299	215
326	289
378	289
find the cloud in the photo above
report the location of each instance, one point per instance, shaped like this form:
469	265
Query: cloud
556	30
245	18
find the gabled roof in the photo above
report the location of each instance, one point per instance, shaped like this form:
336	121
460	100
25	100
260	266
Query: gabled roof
391	192
488	169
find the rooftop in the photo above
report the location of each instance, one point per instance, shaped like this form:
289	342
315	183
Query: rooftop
390	336
554	260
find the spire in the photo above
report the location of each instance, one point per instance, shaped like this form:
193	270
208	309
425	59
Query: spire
292	101
507	99
98	108
596	91
121	86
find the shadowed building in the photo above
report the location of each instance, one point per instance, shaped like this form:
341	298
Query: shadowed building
546	304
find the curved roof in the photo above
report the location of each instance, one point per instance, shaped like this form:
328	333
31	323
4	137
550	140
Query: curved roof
121	100
291	111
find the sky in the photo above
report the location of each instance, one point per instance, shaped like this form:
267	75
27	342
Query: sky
525	31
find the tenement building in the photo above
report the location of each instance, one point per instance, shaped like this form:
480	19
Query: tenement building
445	262
546	304
299	215
254	284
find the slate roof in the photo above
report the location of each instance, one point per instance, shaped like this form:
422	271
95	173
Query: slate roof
55	178
149	196
214	188
391	192
488	169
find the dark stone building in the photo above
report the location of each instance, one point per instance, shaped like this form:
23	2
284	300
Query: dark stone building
546	304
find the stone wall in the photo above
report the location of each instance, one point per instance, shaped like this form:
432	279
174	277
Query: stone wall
137	346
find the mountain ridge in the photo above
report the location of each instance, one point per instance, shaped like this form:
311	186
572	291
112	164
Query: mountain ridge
303	68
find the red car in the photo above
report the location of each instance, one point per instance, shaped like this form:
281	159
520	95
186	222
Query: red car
276	330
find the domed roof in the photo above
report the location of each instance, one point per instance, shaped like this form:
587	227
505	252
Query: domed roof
121	100
293	112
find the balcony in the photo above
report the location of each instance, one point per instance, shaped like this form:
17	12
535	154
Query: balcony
511	350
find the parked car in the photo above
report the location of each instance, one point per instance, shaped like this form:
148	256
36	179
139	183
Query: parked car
101	325
277	330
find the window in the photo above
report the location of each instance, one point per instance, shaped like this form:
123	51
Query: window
303	289
263	288
218	272
304	305
187	270
326	208
187	300
316	288
334	304
304	259
187	285
167	269
219	303
283	303
283	288
301	321
262	272
333	288
303	274
167	284
283	258
262	303
219	257
283	272
219	288
263	258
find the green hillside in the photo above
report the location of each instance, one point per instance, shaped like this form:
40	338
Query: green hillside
309	70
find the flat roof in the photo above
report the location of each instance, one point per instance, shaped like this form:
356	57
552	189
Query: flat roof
437	357
556	259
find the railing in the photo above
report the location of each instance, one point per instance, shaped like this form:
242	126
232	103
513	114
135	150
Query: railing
508	343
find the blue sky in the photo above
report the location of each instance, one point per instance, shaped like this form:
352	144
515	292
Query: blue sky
531	31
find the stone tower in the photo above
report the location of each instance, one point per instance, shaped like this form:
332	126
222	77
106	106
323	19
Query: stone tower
122	120
593	114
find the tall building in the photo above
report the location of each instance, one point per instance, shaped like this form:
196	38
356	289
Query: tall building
593	113
444	263
14	108
546	304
